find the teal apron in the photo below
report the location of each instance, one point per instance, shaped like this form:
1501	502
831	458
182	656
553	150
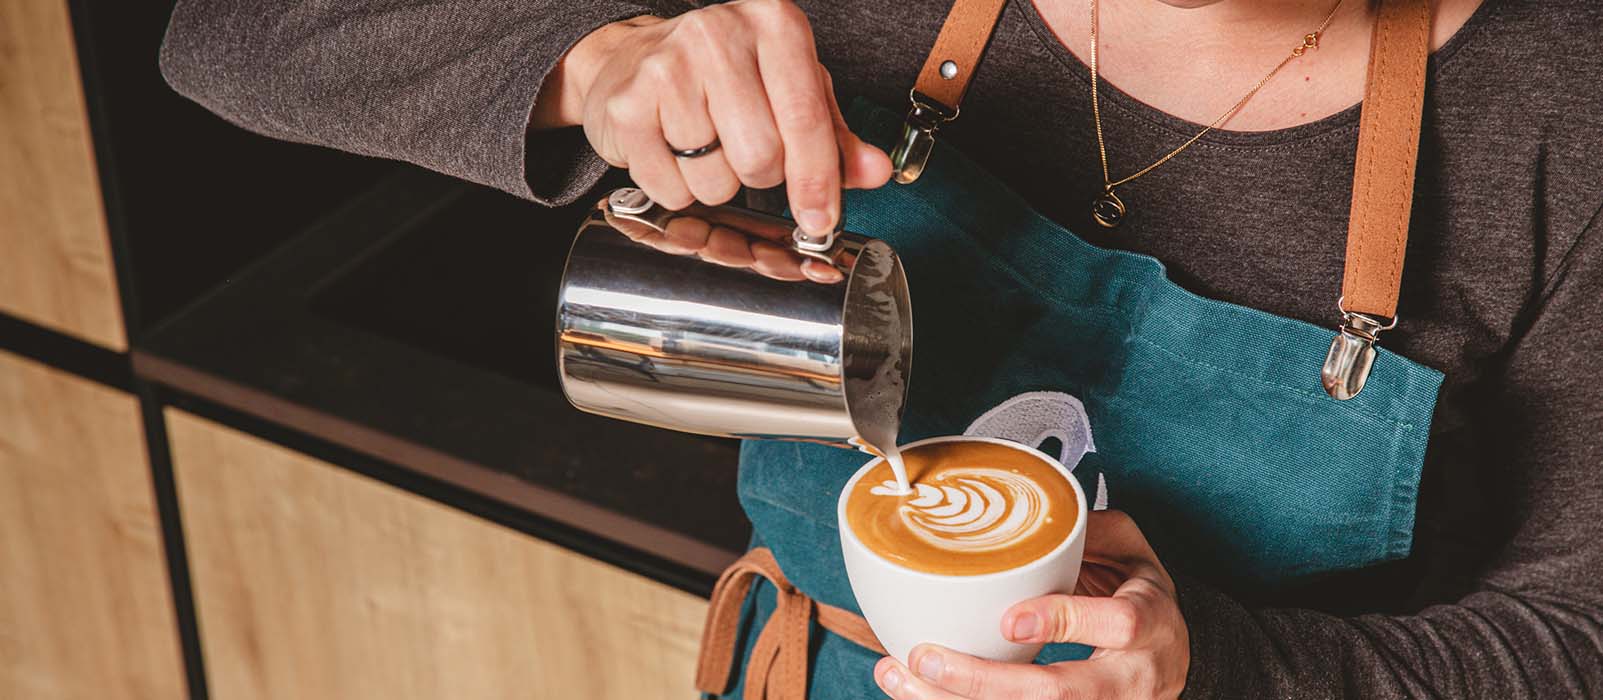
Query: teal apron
1204	420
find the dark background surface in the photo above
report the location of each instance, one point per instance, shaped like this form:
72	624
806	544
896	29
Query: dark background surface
190	197
430	326
459	284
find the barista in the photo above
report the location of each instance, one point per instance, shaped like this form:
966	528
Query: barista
1504	290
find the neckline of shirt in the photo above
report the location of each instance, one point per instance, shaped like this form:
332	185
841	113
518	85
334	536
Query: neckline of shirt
1133	107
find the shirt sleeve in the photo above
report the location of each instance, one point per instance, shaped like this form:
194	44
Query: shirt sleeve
445	85
1531	622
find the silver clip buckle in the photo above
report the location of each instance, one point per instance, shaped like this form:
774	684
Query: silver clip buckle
1352	353
812	244
912	152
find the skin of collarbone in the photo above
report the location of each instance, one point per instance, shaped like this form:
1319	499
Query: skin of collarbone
1194	59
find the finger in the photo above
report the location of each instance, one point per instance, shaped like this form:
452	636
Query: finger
863	165
866	166
1114	622
686	125
633	130
789	67
900	684
651	166
1099	579
738	105
709	176
1115	532
1113	538
979	679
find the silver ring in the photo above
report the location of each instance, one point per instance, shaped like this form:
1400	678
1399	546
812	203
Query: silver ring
694	152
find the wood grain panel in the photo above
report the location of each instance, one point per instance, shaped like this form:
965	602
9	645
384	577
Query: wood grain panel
315	582
85	611
55	258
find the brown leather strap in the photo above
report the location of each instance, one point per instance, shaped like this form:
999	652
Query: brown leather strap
962	41
777	669
1388	148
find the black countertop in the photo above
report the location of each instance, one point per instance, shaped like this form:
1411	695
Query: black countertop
415	326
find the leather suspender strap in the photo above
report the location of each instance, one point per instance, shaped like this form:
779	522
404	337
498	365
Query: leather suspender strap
938	94
1388	147
1383	191
957	51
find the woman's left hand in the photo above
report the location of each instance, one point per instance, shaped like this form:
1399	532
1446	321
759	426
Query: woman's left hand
1125	607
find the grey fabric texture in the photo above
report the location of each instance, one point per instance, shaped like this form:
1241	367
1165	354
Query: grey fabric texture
1503	289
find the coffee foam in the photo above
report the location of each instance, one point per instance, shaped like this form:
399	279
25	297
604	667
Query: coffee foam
971	509
974	507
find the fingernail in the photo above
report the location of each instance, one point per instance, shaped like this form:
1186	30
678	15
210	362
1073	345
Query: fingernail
819	272
930	667
813	221
892	680
1025	626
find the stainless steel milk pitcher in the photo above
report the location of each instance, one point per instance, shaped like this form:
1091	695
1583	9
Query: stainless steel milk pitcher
699	321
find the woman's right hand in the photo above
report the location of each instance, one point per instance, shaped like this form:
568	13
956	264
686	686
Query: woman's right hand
745	73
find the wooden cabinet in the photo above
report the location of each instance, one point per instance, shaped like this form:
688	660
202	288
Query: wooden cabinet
55	259
85	608
315	582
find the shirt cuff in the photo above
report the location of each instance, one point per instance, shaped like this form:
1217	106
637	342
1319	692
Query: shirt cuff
558	165
1213	624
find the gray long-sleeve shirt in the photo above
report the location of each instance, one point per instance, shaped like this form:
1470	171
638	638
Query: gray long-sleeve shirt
1503	595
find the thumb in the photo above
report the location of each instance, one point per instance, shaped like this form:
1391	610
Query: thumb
864	167
1108	623
867	167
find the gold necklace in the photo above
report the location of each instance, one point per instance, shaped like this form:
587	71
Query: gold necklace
1108	209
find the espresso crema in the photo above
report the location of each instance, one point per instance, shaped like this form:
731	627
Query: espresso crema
974	508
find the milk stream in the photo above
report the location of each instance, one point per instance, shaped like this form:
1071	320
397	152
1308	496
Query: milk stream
893	456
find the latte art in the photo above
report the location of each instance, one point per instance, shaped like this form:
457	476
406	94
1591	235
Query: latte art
971	509
974	507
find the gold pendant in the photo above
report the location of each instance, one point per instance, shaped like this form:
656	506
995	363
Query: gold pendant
1108	209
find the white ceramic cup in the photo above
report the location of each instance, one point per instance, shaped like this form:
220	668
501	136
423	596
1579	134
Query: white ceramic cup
906	608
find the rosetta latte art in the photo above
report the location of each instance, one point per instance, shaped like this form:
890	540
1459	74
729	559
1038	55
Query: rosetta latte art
971	509
975	507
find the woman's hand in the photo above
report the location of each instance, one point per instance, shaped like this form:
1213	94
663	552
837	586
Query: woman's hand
744	73
1125	607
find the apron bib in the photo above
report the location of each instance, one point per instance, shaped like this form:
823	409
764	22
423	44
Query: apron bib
1200	418
1197	417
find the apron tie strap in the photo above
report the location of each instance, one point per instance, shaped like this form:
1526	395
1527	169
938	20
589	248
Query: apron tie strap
777	669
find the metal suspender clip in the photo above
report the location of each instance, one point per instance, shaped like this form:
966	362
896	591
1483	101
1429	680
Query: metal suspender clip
1352	353
912	152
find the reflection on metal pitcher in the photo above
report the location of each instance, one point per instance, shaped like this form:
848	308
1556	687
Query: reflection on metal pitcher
708	320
